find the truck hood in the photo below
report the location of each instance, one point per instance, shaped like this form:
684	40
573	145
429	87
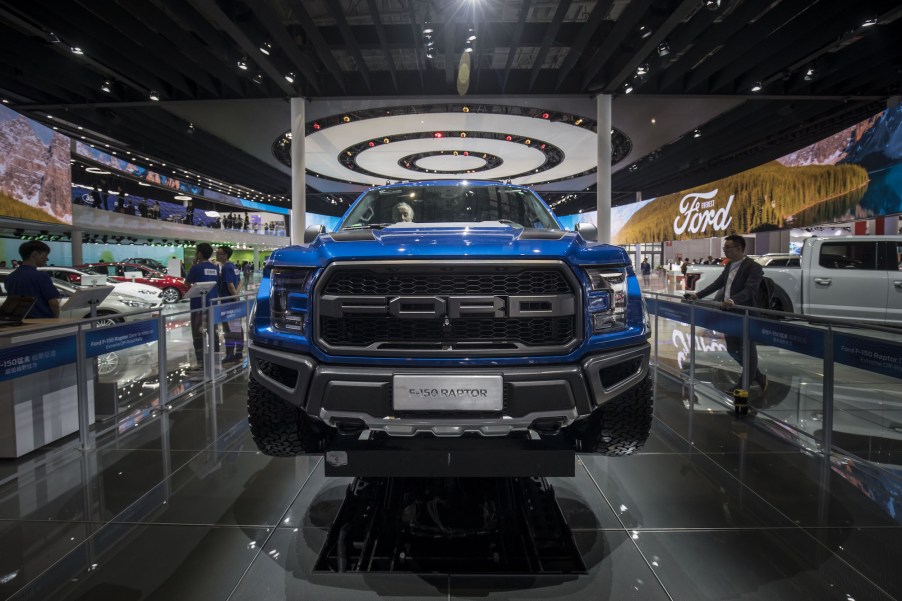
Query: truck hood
449	241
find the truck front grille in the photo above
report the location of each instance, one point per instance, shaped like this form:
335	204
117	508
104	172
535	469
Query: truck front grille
405	308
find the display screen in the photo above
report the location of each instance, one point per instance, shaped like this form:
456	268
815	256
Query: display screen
851	175
35	177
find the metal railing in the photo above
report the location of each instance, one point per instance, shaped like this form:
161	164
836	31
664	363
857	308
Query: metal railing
834	383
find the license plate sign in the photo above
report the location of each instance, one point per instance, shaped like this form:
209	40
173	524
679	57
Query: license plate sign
448	393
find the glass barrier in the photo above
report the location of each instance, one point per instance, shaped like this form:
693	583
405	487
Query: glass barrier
830	385
103	375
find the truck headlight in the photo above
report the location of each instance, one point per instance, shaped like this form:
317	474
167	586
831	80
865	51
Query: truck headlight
607	298
288	301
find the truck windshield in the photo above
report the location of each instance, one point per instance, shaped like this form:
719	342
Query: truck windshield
457	203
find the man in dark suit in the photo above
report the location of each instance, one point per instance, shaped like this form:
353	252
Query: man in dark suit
738	284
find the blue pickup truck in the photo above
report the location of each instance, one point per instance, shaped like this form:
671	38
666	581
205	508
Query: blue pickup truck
449	310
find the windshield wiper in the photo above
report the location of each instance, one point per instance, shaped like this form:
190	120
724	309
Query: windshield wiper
367	226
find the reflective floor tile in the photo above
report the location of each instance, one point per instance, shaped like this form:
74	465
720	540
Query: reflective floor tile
231	488
846	493
769	565
663	439
181	430
29	548
616	571
160	563
875	552
93	486
320	499
581	503
284	570
678	491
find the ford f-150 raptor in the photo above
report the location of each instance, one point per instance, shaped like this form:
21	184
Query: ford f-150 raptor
449	310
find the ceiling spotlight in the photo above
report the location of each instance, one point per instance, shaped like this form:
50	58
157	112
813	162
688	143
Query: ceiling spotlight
810	73
76	50
663	49
190	129
634	167
242	63
642	69
154	95
627	88
258	78
697	133
346	119
53	38
429	53
265	48
471	34
757	87
644	31
427	28
289	77
468	47
869	22
712	4
106	86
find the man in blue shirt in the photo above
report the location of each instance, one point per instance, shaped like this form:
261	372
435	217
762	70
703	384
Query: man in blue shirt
229	281
202	271
26	280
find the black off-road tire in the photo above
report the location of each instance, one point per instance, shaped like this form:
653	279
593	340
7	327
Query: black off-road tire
279	428
621	426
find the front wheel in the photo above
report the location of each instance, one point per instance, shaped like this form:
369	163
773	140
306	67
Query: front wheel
621	426
279	428
104	319
171	295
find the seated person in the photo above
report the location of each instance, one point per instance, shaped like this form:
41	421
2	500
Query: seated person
402	213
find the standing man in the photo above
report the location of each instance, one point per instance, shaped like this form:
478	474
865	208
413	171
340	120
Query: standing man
248	269
229	280
26	280
202	271
645	268
738	284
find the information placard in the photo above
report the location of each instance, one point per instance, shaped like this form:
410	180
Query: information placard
115	338
27	359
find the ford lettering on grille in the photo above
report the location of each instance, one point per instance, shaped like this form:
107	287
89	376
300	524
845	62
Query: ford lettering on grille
453	307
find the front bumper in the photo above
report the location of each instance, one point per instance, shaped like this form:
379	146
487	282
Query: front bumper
540	397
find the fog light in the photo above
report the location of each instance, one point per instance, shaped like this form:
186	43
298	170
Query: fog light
602	322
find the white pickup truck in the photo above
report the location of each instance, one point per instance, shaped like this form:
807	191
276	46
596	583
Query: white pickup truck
849	277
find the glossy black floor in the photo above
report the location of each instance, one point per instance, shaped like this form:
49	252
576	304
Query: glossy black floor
184	507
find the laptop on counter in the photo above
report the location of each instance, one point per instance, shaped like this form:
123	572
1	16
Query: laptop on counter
14	310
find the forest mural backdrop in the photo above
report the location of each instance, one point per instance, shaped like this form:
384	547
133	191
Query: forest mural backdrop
853	174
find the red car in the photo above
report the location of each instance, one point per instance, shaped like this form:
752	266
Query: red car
173	288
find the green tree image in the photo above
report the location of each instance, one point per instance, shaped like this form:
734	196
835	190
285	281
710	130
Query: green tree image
771	196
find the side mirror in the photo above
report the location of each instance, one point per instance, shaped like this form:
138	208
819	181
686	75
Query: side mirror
588	231
312	232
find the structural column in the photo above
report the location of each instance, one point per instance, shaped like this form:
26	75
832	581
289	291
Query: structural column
603	198
298	169
77	254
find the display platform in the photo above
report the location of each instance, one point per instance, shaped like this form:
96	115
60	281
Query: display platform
737	513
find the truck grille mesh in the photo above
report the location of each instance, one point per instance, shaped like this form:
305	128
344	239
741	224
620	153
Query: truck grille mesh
364	331
383	334
540	281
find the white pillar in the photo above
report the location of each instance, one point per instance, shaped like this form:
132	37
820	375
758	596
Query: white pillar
603	186
298	170
77	254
